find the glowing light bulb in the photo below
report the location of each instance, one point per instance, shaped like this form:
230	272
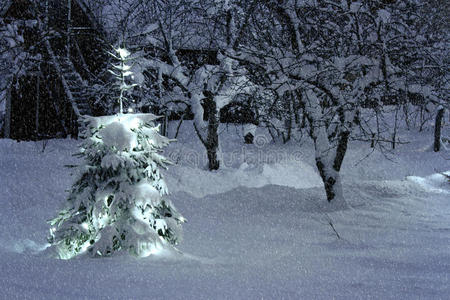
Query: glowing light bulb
85	226
124	53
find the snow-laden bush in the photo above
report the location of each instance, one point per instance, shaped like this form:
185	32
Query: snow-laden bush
117	202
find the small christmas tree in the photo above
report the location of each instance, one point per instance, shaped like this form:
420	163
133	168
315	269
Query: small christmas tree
117	202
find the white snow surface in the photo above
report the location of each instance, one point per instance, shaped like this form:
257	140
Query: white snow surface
257	229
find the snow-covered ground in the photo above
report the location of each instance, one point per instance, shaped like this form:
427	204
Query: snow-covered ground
257	229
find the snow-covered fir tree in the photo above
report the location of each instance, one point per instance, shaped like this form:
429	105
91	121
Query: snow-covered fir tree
117	202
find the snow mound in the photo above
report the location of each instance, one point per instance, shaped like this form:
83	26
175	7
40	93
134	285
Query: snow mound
435	183
200	183
269	200
29	246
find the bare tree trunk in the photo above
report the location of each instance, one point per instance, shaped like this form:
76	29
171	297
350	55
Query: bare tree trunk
437	129
46	16
179	125
36	120
330	174
212	140
394	134
69	26
329	179
8	113
165	125
330	151
289	120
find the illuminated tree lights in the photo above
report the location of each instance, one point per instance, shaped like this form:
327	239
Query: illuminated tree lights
118	200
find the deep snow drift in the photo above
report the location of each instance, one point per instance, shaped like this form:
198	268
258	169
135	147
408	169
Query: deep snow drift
258	228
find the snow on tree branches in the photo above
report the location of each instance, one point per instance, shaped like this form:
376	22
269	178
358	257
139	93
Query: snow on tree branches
121	71
117	202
